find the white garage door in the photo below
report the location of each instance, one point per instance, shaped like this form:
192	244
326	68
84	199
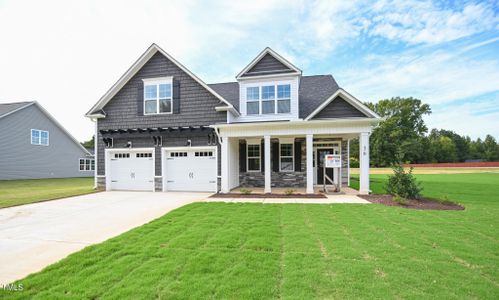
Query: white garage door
191	170
132	170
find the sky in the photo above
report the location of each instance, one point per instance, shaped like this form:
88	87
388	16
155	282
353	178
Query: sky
67	54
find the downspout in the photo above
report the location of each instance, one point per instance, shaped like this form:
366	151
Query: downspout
217	132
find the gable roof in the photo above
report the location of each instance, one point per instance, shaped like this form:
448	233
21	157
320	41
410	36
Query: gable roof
143	59
268	62
348	98
10	108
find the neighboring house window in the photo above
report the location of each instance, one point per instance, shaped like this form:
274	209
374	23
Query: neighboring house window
39	137
158	96
253	157
253	100
284	98
272	99
87	164
286	158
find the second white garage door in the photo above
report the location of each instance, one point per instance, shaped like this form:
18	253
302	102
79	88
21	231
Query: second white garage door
191	170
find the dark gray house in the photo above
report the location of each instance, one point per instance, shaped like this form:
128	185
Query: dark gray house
161	128
34	145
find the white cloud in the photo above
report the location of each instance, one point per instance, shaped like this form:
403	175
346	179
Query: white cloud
435	76
418	22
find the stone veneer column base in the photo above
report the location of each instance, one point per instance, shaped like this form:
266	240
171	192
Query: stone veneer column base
101	183
158	184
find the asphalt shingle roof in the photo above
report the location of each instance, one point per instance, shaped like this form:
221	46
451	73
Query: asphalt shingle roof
6	108
314	90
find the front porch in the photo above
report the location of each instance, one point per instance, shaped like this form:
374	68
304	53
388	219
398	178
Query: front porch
289	155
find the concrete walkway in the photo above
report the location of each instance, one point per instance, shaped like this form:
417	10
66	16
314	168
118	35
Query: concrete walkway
331	199
36	235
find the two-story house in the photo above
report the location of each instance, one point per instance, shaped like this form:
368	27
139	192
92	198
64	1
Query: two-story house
161	128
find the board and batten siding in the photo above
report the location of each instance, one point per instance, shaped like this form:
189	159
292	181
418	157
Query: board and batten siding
21	160
197	107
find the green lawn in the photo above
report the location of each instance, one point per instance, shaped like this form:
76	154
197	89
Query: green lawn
296	251
17	192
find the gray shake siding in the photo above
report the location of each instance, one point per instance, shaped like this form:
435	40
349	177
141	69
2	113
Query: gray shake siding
339	108
197	107
267	65
21	160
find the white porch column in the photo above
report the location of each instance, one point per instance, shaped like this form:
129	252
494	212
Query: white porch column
268	170
224	165
364	163
310	163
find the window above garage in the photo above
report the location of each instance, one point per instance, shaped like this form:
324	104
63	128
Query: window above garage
158	95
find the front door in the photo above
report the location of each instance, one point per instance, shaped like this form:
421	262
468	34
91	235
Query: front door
321	153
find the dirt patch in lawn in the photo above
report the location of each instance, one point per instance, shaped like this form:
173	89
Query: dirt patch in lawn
238	195
414	204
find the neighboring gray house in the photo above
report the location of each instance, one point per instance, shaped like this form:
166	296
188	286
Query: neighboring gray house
34	145
161	128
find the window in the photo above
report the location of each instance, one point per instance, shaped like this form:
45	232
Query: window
121	155
253	157
87	164
273	99
253	100
204	153
286	158
268	99
142	155
39	137
283	98
178	154
158	96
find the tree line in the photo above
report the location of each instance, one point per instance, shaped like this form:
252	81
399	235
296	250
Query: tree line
404	137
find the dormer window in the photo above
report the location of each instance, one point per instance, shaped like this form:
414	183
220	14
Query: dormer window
268	99
253	100
158	96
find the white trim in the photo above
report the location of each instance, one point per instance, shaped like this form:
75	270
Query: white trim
309	161
350	99
348	162
259	157
107	163
137	65
268	170
164	150
265	51
157	82
292	156
96	148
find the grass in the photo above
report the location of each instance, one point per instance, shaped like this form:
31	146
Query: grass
296	251
18	192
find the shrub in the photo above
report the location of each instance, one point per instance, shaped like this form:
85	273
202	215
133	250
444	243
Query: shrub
245	191
289	192
399	200
403	184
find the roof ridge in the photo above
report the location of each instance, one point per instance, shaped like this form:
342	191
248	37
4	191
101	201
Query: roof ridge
18	102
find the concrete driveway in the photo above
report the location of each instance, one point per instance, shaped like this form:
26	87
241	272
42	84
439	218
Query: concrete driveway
36	235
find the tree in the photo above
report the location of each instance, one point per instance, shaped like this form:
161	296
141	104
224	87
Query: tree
491	149
90	143
444	149
400	136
